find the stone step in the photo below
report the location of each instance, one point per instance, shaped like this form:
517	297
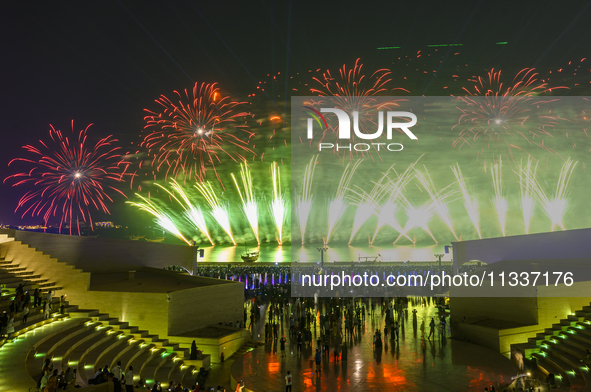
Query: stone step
43	347
144	357
133	349
51	288
546	366
171	371
102	355
150	367
15	269
574	376
189	374
87	363
74	354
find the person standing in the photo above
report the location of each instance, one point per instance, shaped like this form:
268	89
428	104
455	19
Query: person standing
318	360
26	313
282	341
288	382
432	328
37	297
46	310
423	329
117	371
3	324
10	328
49	298
63	305
193	351
129	380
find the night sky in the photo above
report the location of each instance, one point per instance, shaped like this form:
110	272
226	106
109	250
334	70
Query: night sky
103	62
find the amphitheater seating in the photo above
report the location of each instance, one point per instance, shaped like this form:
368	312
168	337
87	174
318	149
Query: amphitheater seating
97	340
559	350
88	340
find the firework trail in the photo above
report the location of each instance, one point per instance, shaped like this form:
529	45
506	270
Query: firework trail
367	204
249	204
527	177
505	117
337	206
190	134
353	91
70	176
387	212
556	206
499	201
191	212
470	203
162	220
304	201
418	217
278	204
439	200
218	212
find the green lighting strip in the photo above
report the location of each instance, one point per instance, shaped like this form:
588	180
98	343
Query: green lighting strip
436	46
502	43
388	47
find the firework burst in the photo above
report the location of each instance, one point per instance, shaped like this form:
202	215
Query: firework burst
191	133
219	212
470	202
387	212
418	217
278	204
527	175
249	203
162	219
354	92
192	213
505	118
499	201
554	206
367	204
338	205
304	200
69	176
439	199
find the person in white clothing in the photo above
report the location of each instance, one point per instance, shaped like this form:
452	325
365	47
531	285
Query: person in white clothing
288	380
129	380
49	298
117	371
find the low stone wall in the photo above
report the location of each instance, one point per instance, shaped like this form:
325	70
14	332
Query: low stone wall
214	347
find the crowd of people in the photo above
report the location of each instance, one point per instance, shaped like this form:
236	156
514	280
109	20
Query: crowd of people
23	304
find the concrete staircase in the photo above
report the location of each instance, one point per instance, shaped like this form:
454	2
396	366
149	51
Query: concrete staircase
94	339
20	263
558	350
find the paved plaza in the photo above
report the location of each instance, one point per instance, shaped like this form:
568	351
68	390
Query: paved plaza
411	364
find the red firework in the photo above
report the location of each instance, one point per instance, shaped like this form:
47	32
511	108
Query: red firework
353	91
70	176
187	137
504	117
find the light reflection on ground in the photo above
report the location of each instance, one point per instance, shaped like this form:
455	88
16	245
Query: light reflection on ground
414	364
